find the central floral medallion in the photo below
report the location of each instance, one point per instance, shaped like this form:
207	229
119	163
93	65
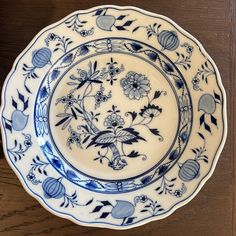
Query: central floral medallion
119	129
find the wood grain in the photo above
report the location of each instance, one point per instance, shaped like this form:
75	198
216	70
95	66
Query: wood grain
213	210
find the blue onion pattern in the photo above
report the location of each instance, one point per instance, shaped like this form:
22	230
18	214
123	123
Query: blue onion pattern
53	188
122	209
207	104
107	22
62	192
189	170
94	129
168	40
41	57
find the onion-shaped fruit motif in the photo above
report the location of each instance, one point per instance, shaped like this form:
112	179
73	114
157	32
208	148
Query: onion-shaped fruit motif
122	209
41	57
189	170
19	120
105	22
53	188
207	104
168	40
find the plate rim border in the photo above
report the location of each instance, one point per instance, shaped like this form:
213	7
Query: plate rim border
148	219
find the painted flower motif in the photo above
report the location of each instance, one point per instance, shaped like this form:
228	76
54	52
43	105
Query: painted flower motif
196	82
143	198
52	36
178	193
74	138
84	33
189	49
41	119
100	97
30	176
114	120
185	109
135	85
150	111
69	100
83	74
28	143
113	70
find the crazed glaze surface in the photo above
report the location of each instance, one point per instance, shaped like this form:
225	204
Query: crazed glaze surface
113	117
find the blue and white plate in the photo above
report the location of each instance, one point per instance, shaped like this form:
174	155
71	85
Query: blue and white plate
113	117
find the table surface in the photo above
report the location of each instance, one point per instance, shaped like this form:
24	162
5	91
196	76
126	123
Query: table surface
213	210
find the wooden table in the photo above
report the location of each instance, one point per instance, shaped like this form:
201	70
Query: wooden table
213	210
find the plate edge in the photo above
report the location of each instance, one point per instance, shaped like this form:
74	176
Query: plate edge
175	207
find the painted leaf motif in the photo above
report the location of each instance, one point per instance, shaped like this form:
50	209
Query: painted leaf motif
106	203
155	131
133	115
201	135
213	120
157	94
21	96
152	55
99	12
68	58
136	46
207	127
123	136
133	154
128	23
89	202
62	121
97	209
8	125
130	220
121	17
103	139
14	103
83	50
217	96
119	27
128	136
104	215
47	147
106	138
135	29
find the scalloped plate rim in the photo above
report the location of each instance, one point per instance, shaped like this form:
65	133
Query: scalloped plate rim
148	219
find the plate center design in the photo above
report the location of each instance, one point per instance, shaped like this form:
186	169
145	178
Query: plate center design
101	113
108	116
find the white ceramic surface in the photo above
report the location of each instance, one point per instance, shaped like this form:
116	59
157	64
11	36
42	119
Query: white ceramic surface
113	117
